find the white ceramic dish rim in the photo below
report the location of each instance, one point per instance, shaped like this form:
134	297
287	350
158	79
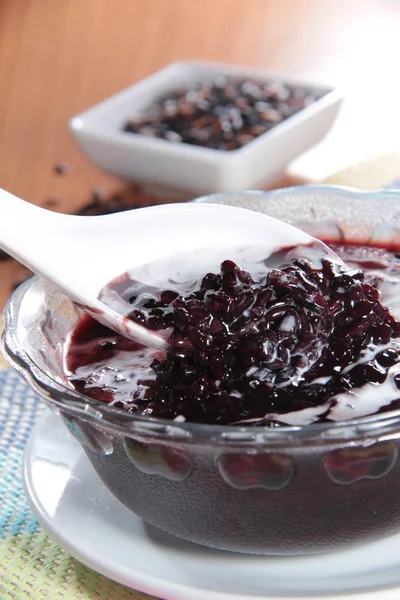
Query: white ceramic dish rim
83	122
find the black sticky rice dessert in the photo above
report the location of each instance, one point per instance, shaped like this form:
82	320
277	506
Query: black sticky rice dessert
288	345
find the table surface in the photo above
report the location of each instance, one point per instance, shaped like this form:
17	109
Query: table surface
58	58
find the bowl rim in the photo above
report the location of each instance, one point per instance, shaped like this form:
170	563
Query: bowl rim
337	191
382	426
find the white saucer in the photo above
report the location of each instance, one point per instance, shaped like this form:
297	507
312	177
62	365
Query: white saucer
78	511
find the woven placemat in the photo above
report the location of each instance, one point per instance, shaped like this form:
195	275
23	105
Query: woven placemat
32	566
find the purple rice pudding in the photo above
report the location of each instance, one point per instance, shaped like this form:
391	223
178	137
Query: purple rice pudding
290	342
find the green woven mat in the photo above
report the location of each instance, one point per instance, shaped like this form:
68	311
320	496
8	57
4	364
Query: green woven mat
32	565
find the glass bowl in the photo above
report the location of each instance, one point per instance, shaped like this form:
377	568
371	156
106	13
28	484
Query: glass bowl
285	490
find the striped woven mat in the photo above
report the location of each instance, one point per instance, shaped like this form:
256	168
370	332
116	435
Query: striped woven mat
32	565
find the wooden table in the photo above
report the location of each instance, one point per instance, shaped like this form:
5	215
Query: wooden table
58	57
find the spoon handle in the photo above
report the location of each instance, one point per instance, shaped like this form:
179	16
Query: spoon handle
43	241
26	230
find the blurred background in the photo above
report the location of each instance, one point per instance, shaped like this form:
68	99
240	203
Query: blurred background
57	58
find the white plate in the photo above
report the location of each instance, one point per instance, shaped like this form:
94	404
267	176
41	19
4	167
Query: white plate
78	511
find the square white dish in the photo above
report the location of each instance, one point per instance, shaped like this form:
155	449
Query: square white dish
164	165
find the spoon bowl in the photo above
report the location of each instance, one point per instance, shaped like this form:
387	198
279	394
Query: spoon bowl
83	254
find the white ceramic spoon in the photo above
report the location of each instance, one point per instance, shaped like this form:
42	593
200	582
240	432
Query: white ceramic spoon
82	254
